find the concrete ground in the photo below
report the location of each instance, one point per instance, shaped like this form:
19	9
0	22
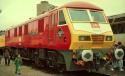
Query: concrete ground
109	72
30	71
26	71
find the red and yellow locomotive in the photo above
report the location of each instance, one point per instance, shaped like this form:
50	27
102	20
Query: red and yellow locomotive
69	37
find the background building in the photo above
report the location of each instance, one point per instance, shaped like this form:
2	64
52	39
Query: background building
118	26
43	7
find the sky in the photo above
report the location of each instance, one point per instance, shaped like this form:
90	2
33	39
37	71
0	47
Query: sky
15	12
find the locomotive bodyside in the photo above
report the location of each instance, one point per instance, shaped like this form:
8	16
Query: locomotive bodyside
40	33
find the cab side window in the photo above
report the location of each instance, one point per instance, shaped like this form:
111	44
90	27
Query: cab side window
15	32
41	25
53	19
20	31
61	18
26	29
8	33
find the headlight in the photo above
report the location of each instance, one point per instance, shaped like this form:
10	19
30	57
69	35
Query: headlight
84	38
108	38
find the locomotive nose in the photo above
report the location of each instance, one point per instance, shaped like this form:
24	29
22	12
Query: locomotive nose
87	55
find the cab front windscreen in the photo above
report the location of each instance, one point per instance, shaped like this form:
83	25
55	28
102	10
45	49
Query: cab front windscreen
97	16
86	16
79	15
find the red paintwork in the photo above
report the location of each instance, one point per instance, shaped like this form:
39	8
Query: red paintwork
47	38
41	40
80	4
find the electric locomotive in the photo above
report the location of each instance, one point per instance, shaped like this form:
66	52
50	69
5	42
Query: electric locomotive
75	36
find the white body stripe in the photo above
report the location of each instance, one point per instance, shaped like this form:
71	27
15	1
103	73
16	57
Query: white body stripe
87	27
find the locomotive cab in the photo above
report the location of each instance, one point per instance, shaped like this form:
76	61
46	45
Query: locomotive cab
89	29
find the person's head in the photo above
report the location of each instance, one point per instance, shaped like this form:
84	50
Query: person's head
6	50
18	56
119	43
116	44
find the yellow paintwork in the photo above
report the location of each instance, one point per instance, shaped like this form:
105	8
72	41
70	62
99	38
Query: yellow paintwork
76	44
2	40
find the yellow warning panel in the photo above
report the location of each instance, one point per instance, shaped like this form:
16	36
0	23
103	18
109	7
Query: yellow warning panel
2	40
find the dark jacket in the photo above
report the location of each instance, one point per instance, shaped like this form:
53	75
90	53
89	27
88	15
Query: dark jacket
7	53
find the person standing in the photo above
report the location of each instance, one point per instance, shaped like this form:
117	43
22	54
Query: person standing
18	62
120	61
0	55
7	57
113	58
117	61
0	59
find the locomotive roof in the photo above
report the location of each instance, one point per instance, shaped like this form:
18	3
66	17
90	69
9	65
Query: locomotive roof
74	4
81	4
